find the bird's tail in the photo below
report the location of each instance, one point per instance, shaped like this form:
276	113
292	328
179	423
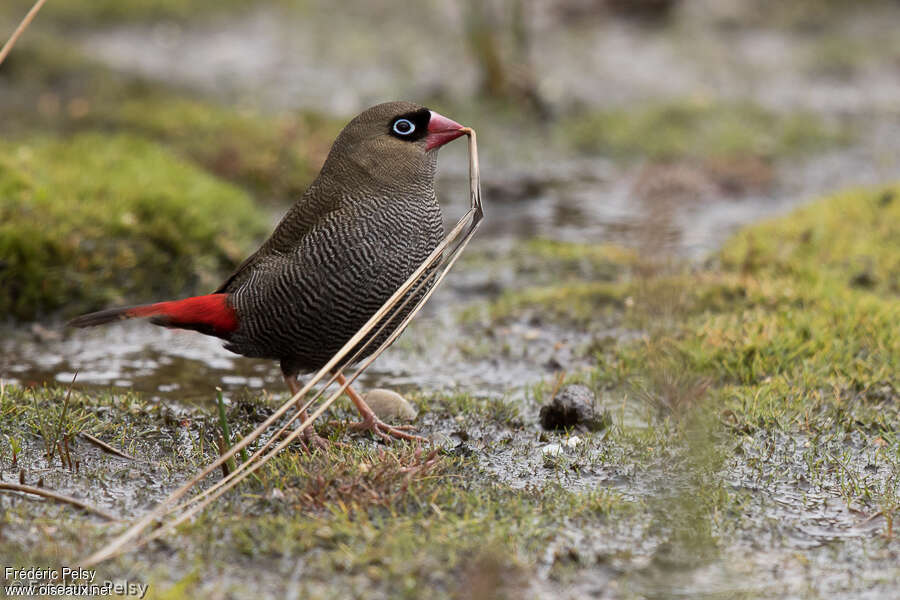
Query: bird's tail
211	314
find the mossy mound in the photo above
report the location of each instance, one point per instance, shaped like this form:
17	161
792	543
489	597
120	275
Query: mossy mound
851	238
275	157
815	325
100	219
52	89
797	326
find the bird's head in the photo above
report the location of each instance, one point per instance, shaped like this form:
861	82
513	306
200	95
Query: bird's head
393	142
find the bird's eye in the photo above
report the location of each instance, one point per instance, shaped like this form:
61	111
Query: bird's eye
404	126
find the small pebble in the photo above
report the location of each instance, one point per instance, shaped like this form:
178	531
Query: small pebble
572	441
390	406
557	449
552	450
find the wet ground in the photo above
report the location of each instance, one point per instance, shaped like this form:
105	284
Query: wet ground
793	525
263	59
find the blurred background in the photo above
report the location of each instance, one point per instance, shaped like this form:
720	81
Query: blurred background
147	146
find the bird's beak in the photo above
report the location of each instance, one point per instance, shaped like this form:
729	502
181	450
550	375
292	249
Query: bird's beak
441	130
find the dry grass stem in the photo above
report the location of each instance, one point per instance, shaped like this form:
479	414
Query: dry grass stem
105	447
7	47
36	491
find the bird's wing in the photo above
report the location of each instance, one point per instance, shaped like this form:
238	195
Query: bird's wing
345	254
238	272
299	221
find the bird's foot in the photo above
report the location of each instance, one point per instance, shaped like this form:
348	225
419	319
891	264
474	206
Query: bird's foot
312	441
371	422
386	432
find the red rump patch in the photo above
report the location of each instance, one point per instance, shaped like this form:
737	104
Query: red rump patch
210	314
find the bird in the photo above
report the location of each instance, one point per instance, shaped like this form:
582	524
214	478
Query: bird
361	228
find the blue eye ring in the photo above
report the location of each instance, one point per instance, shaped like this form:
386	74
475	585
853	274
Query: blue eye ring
403	123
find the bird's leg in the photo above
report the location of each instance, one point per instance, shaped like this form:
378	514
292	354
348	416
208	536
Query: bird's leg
312	439
371	422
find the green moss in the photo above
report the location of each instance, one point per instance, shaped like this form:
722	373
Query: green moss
848	240
800	318
578	303
699	129
274	156
816	332
566	282
36	412
98	219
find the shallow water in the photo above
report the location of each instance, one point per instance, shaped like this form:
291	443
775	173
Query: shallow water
304	57
292	60
578	201
794	528
186	367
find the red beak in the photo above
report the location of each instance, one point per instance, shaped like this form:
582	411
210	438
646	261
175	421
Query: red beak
441	130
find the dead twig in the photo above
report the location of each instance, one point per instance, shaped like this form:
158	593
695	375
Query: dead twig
36	491
871	518
20	29
105	447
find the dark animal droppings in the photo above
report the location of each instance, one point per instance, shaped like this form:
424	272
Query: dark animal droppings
573	407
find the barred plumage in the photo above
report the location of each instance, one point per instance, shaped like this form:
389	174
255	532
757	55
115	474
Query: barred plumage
300	305
339	253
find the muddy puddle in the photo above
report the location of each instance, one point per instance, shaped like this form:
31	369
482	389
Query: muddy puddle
276	61
435	353
178	366
293	58
788	530
290	61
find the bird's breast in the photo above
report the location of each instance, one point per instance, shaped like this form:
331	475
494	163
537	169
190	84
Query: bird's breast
305	303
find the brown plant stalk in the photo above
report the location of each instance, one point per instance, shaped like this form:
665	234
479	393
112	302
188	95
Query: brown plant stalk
36	491
7	47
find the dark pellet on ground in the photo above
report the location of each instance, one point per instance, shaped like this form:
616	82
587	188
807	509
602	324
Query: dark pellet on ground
573	406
